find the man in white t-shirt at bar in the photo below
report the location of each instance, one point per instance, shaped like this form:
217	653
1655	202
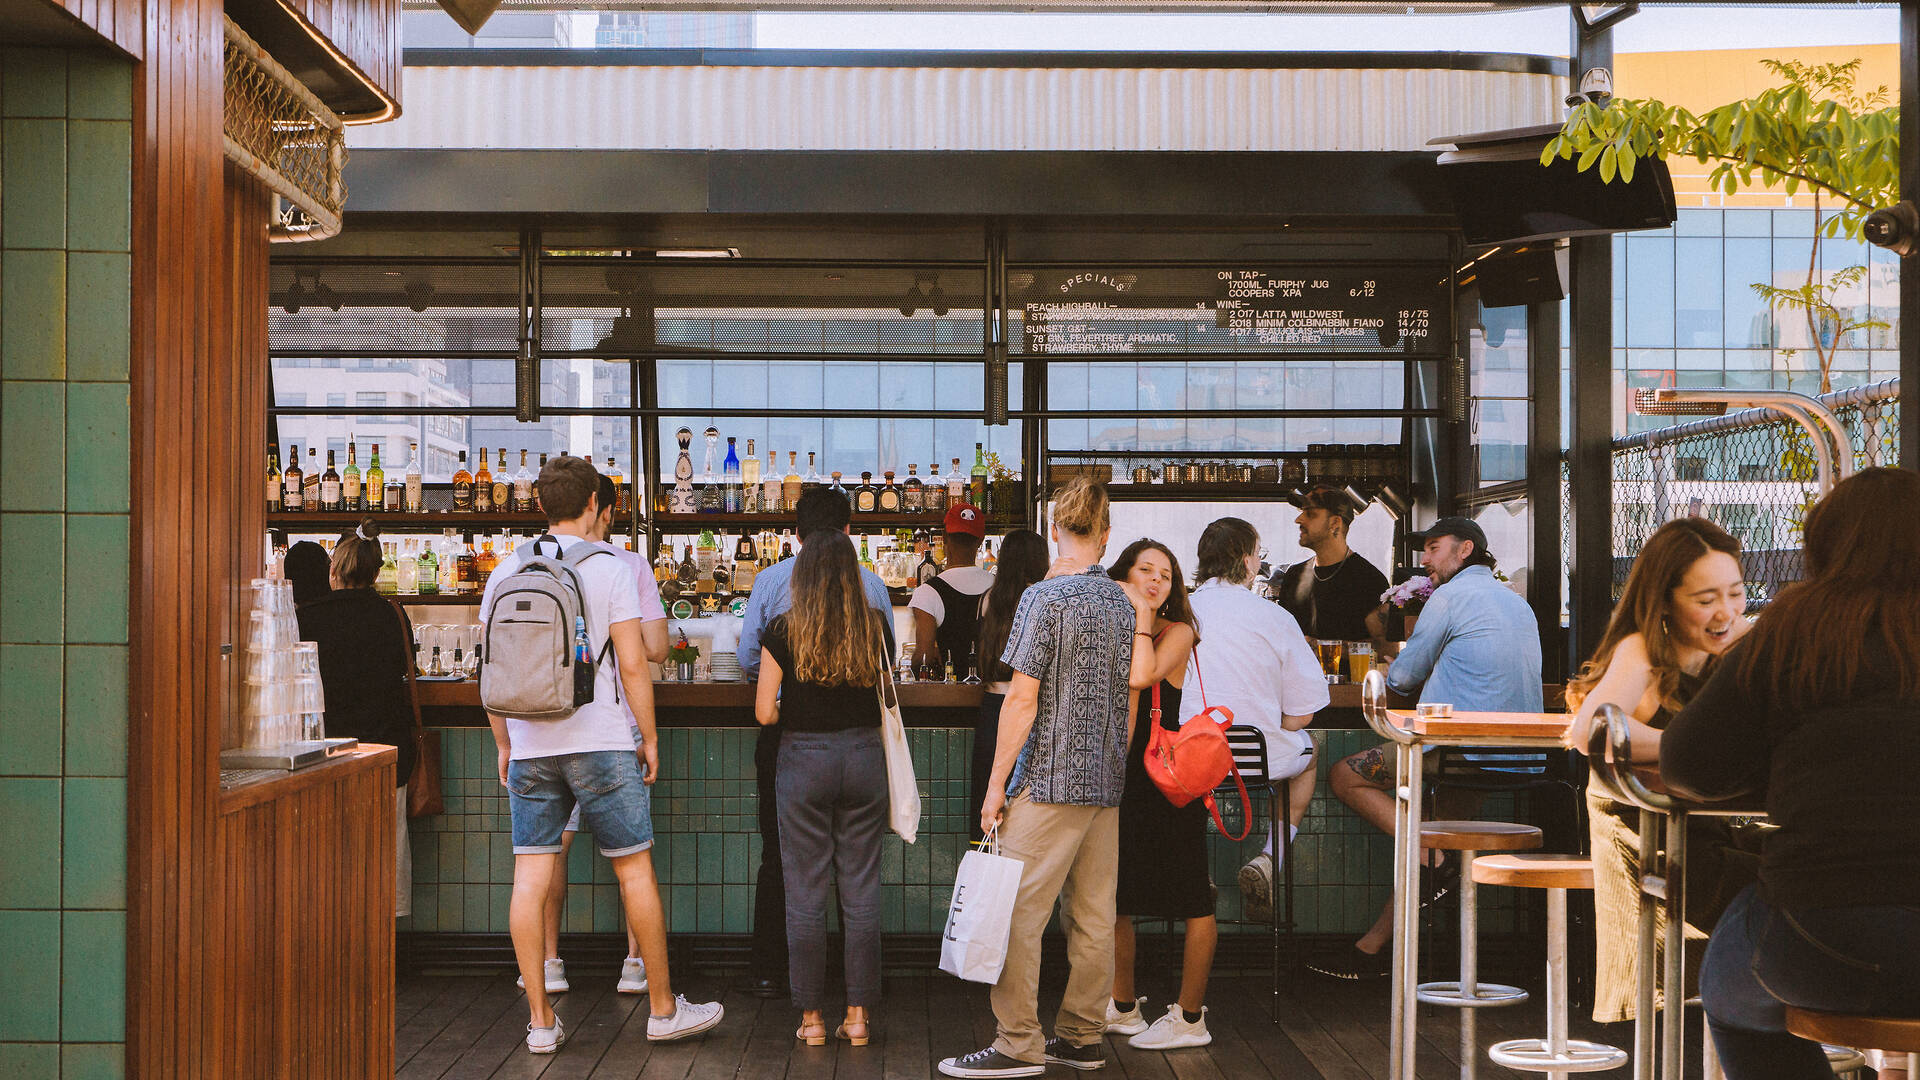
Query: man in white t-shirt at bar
588	758
946	610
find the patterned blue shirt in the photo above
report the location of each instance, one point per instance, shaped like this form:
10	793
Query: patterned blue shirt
1476	647
1075	635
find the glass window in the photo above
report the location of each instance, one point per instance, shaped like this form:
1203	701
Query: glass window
1699	288
1650	291
1749	320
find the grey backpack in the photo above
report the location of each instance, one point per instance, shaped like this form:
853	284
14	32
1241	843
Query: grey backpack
533	665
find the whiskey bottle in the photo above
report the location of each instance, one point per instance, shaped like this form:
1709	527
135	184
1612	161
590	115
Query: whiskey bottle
730	476
750	482
414	497
791	486
351	498
619	486
936	495
462	487
977	485
865	499
330	488
913	496
484	563
889	501
310	482
276	493
375	488
482	486
502	485
523	488
293	496
466	567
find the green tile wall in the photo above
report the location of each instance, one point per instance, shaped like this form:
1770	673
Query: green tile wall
65	300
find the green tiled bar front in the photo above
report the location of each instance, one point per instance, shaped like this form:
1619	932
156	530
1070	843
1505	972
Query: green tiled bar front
705	816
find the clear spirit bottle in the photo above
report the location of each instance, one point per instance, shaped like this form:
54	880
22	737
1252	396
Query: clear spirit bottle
523	487
503	484
682	500
413	496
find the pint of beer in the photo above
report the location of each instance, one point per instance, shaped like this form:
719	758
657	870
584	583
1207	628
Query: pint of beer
1359	660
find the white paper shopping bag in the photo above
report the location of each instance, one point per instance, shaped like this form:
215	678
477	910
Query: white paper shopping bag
981	914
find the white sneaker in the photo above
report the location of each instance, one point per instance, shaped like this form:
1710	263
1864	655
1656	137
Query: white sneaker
1134	1020
545	1040
687	1019
556	976
1256	887
1172	1032
633	976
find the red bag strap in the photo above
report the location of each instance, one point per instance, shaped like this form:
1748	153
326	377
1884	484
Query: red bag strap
1201	679
1246	806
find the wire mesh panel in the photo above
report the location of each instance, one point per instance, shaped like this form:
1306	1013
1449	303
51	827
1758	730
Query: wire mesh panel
278	131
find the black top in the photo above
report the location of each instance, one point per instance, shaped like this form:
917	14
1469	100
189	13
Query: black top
806	706
364	655
1331	603
1838	781
959	630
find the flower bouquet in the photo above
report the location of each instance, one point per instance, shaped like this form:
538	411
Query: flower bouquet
1405	601
682	654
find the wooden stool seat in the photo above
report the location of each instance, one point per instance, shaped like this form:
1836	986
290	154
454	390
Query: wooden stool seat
1533	870
1479	836
1900	1034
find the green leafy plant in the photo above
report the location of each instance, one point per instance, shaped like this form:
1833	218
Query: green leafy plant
683	651
1817	131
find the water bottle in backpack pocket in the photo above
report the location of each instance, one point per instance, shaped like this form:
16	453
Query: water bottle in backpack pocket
538	661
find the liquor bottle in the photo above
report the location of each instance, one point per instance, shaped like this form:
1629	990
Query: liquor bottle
619	486
746	564
293	494
375	488
749	481
687	574
865	499
466	567
839	488
276	492
682	500
987	559
710	501
388	579
485	562
483	487
730	501
523	488
977	486
415	497
330	488
663	567
936	494
956	485
310	481
773	498
449	560
913	497
462	486
537	508
502	485
786	547
791	486
428	568
889	501
407	572
350	491
866	560
814	479
434	666
927	570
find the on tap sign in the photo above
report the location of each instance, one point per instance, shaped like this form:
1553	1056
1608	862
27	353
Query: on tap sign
1368	310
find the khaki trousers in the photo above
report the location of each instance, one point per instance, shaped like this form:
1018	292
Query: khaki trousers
1071	855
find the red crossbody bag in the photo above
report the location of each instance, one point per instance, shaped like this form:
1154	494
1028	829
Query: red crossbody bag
1190	763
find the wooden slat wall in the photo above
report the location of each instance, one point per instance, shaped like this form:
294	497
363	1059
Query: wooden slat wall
119	21
365	31
306	896
249	205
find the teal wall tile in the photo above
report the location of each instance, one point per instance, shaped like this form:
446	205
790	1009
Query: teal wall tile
33	82
33	175
99	185
499	905
96	710
97	600
29	969
99	87
29	1061
94	848
93	985
93	1061
30	734
99	431
452	908
477	908
99	315
33	310
33	455
30	835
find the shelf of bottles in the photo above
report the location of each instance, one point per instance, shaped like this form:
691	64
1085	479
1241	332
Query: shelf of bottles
1366	470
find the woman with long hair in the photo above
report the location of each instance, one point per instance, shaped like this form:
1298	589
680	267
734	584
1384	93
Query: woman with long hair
366	651
1682	609
1023	561
821	667
1819	710
1163	847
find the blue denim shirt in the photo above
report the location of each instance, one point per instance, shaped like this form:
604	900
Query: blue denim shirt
771	598
1476	647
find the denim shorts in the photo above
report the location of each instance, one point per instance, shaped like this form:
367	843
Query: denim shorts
605	784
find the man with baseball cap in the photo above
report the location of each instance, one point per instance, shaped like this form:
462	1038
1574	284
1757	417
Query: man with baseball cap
946	610
1476	647
1331	594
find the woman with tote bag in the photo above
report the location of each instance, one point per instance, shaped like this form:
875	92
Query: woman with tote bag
823	678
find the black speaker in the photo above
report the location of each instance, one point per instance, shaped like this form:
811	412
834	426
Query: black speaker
1533	274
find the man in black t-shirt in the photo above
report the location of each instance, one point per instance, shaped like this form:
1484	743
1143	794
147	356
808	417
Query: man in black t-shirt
1330	594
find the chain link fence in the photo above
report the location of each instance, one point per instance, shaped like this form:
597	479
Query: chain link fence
277	130
1752	473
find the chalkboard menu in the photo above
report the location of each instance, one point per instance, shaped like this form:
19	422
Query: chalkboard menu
1374	311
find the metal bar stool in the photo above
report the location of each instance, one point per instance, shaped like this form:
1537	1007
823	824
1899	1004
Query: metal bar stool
1469	994
1900	1035
1845	1061
1249	746
1556	1054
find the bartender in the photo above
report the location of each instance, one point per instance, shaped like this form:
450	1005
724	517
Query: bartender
1331	594
946	609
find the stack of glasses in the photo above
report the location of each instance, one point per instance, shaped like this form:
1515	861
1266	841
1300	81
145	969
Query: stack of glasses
284	701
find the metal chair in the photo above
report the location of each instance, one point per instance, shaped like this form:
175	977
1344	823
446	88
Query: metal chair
1249	747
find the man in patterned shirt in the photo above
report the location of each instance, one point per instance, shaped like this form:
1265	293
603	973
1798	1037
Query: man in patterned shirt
1062	755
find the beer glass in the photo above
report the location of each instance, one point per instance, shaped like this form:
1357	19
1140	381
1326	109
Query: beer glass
1359	660
1332	653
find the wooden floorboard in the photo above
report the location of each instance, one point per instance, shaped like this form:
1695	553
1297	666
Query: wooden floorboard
474	1029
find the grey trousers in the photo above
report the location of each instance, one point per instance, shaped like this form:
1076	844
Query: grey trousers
831	788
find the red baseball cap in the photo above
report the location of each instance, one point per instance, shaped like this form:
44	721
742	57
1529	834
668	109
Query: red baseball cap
966	518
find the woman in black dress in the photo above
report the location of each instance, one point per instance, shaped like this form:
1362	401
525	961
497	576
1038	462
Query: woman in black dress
1163	848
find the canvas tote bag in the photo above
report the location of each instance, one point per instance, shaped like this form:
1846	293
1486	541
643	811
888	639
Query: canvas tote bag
903	788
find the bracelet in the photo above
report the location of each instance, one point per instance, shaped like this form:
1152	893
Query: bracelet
1144	634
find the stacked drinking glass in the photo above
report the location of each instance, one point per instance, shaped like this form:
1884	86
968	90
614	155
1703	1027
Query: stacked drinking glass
284	702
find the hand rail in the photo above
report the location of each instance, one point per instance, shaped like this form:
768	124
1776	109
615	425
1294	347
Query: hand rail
1373	706
1610	759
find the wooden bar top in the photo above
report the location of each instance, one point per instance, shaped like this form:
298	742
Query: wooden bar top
331	771
739	695
1468	725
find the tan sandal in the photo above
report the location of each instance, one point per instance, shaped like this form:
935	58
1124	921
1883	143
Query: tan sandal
847	1030
804	1034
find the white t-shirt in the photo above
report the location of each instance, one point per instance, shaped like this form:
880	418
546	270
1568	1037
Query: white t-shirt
612	596
971	580
651	609
1253	659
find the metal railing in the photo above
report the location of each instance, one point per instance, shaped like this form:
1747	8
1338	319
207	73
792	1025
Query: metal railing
277	130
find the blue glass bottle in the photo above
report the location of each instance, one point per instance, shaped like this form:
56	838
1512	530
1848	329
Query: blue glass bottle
732	500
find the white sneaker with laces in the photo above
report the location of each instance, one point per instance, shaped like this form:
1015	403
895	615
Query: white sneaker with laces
1172	1032
555	975
633	977
1256	887
1131	1022
545	1040
688	1019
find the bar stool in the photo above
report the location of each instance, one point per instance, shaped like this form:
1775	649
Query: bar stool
1556	1053
1468	839
1845	1061
1900	1035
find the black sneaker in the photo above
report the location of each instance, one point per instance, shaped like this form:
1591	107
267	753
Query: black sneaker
990	1063
1353	965
1440	881
1084	1058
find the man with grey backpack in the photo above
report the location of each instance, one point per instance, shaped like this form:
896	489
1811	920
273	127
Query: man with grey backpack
564	660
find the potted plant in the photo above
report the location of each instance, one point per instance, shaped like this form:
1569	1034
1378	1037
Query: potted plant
1003	495
682	655
1404	602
